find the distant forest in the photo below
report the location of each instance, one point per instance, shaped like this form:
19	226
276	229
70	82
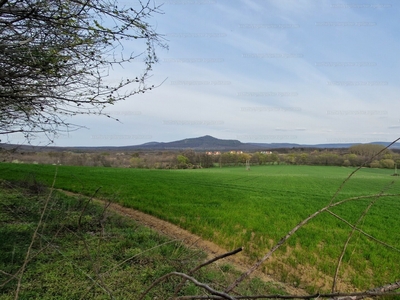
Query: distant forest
374	156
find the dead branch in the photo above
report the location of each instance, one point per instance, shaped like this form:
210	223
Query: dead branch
291	232
191	272
386	288
86	205
222	295
356	170
375	292
364	213
136	255
336	296
362	232
216	258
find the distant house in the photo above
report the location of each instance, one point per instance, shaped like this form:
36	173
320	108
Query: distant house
213	153
236	152
266	152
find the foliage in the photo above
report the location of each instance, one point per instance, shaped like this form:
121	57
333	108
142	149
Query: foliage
169	159
387	163
182	161
57	59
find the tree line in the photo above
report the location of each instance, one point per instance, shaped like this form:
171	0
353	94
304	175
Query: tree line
350	157
190	159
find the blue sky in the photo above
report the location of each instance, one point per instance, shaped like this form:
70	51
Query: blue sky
296	71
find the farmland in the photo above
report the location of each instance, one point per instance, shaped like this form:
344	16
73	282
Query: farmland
234	207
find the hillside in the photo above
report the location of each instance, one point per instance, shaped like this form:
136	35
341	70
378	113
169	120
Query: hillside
203	143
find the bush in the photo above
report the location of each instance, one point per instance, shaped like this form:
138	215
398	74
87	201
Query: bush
375	164
387	163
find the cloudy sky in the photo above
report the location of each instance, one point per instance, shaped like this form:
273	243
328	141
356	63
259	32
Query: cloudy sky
266	71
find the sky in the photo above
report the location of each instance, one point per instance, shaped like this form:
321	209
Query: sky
266	71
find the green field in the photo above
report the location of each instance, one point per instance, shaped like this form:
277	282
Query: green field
85	252
234	207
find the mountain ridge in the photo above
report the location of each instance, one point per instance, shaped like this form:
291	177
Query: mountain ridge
203	143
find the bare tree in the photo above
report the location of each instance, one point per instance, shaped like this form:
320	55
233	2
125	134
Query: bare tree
57	57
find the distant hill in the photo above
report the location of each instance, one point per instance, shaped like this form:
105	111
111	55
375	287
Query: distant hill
204	143
209	143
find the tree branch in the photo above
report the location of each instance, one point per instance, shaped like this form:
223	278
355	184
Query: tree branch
291	232
222	295
191	272
335	278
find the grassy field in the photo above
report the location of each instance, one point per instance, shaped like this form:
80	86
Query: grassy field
82	251
234	207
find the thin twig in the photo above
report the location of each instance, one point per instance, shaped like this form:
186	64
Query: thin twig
291	232
222	295
74	265
191	272
96	265
28	252
136	255
86	205
362	232
13	276
335	277
217	258
356	170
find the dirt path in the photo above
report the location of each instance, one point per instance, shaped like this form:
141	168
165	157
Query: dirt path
189	239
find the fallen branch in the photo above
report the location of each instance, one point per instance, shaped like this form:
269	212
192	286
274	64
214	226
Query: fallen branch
191	272
222	295
336	296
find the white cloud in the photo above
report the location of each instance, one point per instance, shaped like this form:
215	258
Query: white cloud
263	70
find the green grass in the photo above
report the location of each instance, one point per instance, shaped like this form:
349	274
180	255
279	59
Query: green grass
234	207
84	252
